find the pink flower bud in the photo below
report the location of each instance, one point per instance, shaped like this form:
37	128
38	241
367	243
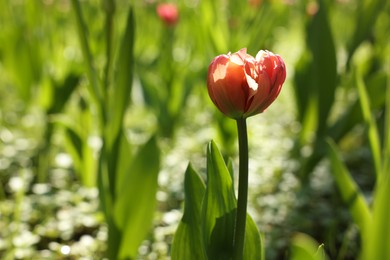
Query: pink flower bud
241	85
168	13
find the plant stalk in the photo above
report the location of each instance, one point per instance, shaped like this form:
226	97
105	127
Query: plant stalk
240	226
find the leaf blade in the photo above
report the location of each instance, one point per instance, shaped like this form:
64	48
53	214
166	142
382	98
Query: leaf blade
219	207
188	243
135	203
350	192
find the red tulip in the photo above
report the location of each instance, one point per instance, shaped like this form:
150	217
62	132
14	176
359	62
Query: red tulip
241	85
168	13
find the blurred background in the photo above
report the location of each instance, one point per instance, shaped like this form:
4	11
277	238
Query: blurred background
60	65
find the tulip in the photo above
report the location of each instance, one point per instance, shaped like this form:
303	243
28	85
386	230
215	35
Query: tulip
241	85
168	13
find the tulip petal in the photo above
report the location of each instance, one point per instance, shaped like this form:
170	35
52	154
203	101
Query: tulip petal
257	103
225	82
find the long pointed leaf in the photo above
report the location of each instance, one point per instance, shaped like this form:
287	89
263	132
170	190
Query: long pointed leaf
219	207
121	91
253	248
377	244
187	242
373	134
324	66
135	201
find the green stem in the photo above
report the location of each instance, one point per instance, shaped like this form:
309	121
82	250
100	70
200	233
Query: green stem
239	234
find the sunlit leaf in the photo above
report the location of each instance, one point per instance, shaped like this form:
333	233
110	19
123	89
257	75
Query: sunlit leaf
187	242
376	246
136	198
303	247
253	247
219	207
122	82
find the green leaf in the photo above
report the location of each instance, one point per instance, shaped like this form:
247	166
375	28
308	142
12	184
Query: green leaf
373	134
315	86
376	86
366	15
121	91
136	198
349	191
324	65
219	207
230	166
62	92
94	87
377	244
187	242
253	248
304	247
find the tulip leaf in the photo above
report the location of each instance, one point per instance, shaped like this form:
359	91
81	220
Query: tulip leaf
305	247
187	242
219	207
253	248
120	94
349	191
230	166
135	200
377	244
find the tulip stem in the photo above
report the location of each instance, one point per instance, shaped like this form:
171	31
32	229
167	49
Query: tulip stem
239	234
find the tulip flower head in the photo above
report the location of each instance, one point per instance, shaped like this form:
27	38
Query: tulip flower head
241	85
168	13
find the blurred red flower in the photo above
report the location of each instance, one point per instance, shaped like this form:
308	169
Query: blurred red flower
241	85
168	13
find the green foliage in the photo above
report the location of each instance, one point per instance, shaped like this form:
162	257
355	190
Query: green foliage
376	246
350	192
316	80
373	134
373	224
187	243
127	190
119	95
219	207
207	228
366	15
321	75
304	247
135	198
68	72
